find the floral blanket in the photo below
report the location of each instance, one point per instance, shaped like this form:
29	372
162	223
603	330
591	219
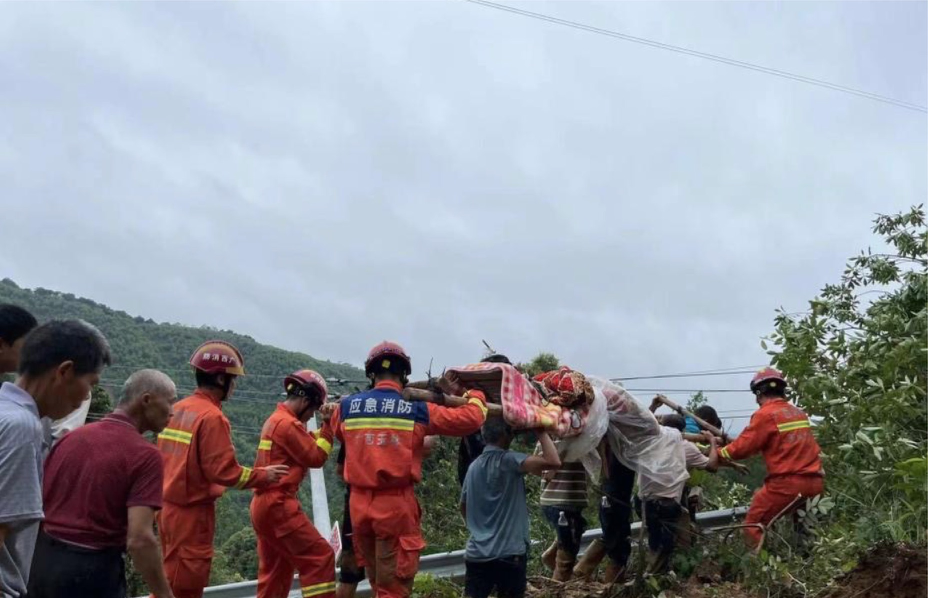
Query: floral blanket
555	404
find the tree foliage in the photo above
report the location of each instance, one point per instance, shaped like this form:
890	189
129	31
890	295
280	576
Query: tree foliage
100	400
856	361
543	362
697	400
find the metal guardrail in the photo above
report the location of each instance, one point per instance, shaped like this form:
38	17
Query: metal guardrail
451	564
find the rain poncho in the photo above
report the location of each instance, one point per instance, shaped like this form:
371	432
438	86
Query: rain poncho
636	439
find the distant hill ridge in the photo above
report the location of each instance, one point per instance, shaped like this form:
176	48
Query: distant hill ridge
141	342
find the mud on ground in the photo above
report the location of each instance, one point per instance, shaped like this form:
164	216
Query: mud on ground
542	587
887	571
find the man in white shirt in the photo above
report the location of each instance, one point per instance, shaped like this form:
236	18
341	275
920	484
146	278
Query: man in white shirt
662	501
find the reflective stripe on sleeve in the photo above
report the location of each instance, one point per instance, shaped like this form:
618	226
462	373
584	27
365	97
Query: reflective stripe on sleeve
175	435
325	445
478	403
243	478
796	425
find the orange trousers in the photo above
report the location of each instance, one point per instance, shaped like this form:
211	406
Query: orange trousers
288	542
187	546
777	494
387	538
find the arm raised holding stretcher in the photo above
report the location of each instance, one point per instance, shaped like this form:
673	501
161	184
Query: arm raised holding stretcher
458	421
662	400
446	400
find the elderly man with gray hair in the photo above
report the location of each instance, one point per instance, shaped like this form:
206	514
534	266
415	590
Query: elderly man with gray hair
101	490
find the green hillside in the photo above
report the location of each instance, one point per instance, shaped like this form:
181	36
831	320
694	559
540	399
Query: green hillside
138	342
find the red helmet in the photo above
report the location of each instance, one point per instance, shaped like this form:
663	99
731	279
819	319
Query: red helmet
767	378
306	380
386	356
218	357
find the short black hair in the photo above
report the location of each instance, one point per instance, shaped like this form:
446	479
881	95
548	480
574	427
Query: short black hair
205	380
496	358
774	391
709	415
673	420
55	342
494	429
15	322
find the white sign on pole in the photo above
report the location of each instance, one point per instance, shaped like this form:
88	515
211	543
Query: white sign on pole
320	500
335	540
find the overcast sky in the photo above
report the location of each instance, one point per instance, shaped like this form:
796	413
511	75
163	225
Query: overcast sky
322	176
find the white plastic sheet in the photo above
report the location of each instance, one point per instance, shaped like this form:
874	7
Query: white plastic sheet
635	437
669	459
72	421
582	447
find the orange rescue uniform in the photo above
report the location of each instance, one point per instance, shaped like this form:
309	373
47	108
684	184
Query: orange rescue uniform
783	434
199	463
287	540
383	435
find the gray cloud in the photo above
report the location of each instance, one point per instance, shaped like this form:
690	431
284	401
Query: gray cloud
325	175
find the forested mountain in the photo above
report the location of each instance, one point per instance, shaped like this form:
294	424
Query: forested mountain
137	342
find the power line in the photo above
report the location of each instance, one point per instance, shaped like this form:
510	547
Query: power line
267	398
237	428
332	380
725	372
191	388
280	376
671	391
705	55
250	430
110	382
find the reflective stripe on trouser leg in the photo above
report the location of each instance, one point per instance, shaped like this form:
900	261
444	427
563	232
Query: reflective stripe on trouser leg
318	589
289	539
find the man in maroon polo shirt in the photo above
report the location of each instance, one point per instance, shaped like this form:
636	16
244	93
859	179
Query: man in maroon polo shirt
101	490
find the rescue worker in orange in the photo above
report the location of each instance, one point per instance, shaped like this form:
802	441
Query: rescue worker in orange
199	464
783	434
287	540
384	436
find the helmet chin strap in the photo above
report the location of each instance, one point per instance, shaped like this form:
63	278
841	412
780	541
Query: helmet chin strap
226	388
309	401
308	407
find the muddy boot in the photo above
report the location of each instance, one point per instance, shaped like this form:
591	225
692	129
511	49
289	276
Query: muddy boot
549	557
591	558
564	565
614	573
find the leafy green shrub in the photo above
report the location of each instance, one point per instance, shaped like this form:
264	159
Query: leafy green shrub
856	362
